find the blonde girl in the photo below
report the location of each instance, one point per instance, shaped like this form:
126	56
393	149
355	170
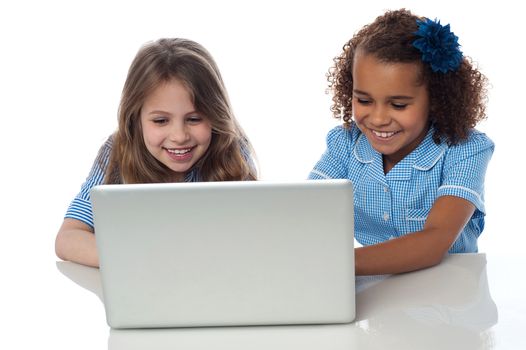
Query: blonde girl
175	124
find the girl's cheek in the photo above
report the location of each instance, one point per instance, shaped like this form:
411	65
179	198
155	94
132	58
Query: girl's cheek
358	115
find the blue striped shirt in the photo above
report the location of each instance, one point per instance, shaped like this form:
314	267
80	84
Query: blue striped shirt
80	208
397	203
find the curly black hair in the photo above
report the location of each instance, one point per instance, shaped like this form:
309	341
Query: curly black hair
457	98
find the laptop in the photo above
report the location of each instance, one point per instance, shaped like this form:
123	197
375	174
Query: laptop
226	253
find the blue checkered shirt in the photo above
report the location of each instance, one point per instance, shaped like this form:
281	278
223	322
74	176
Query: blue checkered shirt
397	203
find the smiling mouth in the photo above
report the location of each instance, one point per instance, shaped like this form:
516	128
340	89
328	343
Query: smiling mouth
179	151
384	134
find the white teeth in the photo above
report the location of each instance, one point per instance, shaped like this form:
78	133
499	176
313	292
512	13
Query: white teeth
179	151
384	134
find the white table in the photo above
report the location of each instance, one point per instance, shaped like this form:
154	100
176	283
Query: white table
445	307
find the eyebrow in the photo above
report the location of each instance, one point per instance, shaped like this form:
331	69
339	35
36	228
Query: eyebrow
160	111
395	97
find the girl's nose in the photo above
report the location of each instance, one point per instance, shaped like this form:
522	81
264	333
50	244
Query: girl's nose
379	116
179	133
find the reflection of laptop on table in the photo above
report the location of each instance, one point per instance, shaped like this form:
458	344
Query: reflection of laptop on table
226	253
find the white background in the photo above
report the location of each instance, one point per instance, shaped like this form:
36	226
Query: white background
63	65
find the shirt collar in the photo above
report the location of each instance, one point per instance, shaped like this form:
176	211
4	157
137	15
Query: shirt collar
423	158
428	152
192	176
363	151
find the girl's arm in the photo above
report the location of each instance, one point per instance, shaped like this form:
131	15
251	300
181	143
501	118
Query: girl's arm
421	249
76	242
75	239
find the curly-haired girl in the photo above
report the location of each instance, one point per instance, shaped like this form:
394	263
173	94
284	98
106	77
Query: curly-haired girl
175	124
410	101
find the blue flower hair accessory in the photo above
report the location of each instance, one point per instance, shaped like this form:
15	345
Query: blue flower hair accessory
439	46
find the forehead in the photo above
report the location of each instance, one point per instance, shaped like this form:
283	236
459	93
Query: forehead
370	73
170	94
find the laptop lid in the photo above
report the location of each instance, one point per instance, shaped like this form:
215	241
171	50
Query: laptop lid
226	253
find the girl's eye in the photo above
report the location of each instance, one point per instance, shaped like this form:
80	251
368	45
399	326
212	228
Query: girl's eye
195	119
399	105
363	101
160	121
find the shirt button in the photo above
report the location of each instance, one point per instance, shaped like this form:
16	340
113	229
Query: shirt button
386	189
386	216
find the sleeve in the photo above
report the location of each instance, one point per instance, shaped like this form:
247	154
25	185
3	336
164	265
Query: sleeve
465	169
80	208
333	164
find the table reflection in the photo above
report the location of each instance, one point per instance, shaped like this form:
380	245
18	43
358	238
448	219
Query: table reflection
447	306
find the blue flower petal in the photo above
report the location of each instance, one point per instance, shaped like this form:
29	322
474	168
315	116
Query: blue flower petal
439	46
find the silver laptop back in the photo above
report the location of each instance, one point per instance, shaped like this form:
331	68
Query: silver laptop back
226	253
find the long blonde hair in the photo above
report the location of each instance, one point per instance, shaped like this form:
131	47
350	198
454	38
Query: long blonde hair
230	152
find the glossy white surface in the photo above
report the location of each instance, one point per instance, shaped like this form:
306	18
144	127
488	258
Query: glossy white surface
458	304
